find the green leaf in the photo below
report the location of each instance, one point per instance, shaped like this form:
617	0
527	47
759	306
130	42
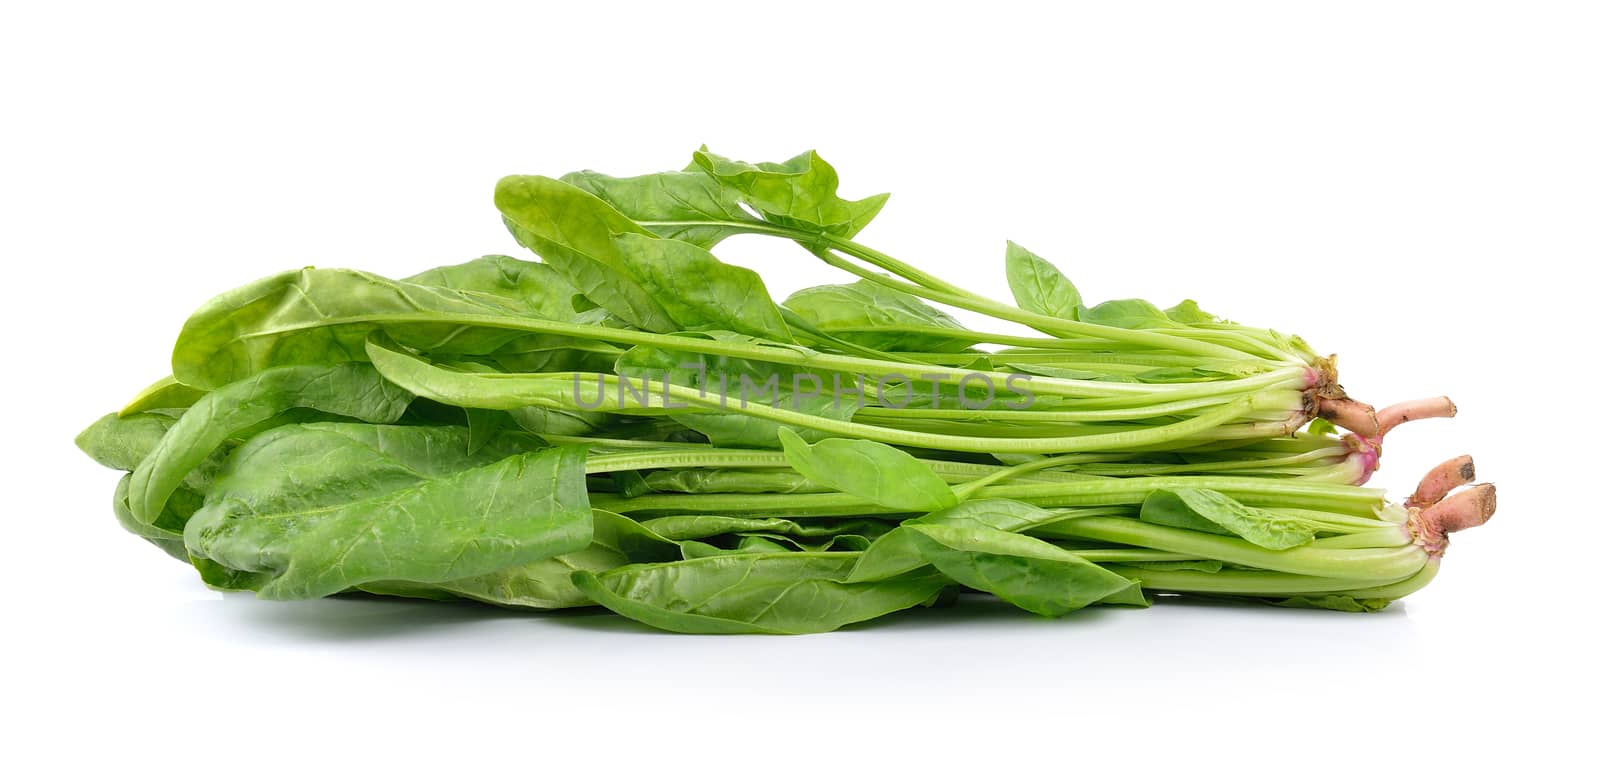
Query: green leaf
878	317
120	442
167	531
1029	573
1189	312
547	584
164	394
689	205
801	193
1321	427
348	389
534	289
1038	286
576	233
753	592
1199	509
896	552
1336	603
878	473
700	292
308	510
307	317
1130	314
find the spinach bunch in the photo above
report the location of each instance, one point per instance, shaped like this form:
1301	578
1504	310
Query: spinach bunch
580	431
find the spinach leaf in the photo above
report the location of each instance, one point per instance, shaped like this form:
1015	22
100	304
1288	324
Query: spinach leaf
576	234
878	317
301	318
547	583
1038	286
878	473
167	531
897	551
700	292
164	394
120	441
689	205
753	592
349	389
1031	574
801	193
309	510
1199	509
529	288
1131	314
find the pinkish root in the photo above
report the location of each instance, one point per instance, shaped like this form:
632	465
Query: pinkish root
1431	527
1444	478
1349	414
1412	410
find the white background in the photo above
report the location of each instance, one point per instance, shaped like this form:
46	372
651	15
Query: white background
1412	186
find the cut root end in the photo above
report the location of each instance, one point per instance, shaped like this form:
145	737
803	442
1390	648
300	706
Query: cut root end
1442	479
1431	527
1412	410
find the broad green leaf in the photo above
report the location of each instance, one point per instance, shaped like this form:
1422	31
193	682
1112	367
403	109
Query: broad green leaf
308	510
700	292
689	205
878	473
753	592
576	233
322	317
122	441
896	552
1132	314
167	531
1199	509
1189	312
547	583
878	317
801	193
531	288
1025	571
1038	286
349	389
164	394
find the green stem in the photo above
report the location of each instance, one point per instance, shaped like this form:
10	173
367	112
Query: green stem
1377	565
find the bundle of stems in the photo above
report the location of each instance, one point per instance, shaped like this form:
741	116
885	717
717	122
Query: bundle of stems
633	424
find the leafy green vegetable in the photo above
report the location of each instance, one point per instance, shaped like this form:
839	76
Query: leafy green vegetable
1198	509
312	509
688	206
1038	286
897	551
348	389
877	317
753	592
802	192
322	317
1029	573
757	467
873	471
